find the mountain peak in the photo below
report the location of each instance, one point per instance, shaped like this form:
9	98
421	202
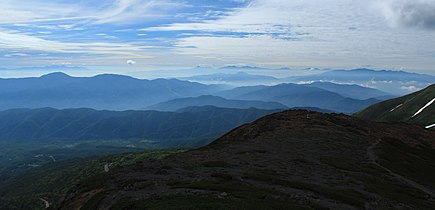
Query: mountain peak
57	75
114	76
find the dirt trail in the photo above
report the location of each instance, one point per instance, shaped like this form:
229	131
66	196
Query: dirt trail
372	156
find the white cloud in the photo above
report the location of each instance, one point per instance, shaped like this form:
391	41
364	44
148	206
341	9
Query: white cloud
131	62
16	55
410	13
409	88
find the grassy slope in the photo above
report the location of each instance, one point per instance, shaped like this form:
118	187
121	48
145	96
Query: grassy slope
51	182
411	104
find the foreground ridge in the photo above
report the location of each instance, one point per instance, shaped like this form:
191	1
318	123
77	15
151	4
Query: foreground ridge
292	159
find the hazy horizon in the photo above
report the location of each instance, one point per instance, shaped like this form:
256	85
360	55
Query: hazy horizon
75	71
134	37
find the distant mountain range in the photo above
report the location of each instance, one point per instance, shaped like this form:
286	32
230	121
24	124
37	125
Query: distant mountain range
113	92
416	108
208	100
192	126
117	92
389	81
352	91
326	96
293	95
395	82
236	79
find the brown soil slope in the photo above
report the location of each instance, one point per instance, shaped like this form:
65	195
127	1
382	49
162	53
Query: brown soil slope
288	160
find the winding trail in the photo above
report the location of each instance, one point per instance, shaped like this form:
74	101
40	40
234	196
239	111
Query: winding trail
372	157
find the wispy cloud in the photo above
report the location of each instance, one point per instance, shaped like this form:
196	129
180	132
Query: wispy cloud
15	40
90	12
55	30
251	19
32	10
134	11
16	55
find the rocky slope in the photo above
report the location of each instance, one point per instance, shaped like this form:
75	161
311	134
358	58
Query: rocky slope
288	160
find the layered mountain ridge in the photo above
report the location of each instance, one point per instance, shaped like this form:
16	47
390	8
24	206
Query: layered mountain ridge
106	91
119	93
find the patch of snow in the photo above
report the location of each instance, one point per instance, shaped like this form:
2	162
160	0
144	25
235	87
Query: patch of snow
52	158
430	126
106	168
423	108
392	110
46	203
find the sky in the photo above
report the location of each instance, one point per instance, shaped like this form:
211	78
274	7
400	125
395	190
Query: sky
140	36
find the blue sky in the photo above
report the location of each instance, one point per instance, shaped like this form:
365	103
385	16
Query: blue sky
131	36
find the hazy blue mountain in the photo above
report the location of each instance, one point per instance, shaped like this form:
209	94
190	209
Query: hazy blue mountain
244	68
239	91
45	81
113	92
294	95
208	100
395	82
352	91
177	128
237	79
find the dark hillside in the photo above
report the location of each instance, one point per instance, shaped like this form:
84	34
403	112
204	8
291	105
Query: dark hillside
288	160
